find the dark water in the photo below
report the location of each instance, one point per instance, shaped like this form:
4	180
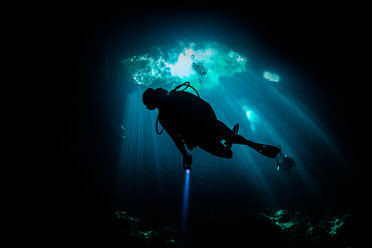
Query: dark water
102	154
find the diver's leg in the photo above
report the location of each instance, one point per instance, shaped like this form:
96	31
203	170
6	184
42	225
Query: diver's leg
217	148
226	134
223	131
266	150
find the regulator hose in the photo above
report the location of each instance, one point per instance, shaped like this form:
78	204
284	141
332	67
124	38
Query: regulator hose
187	84
156	127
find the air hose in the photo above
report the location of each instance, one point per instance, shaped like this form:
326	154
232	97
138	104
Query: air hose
156	127
186	84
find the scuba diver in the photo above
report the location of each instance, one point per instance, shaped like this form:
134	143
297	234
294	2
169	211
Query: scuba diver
191	121
284	162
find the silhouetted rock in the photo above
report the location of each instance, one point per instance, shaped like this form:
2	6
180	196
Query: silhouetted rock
131	230
300	230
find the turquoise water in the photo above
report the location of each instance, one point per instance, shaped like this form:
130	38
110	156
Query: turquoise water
268	110
280	75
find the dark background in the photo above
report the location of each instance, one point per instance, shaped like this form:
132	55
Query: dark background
62	163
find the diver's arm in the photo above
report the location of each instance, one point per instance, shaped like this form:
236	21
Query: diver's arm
187	158
178	142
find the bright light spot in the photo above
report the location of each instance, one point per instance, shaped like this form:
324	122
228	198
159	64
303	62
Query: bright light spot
188	171
201	63
182	68
271	76
251	116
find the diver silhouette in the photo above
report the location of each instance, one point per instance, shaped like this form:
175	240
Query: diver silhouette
191	121
284	162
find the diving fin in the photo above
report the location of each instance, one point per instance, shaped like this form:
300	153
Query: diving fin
266	150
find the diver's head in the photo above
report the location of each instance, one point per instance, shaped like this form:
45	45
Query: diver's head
153	98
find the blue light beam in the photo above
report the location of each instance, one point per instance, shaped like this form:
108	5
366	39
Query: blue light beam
185	203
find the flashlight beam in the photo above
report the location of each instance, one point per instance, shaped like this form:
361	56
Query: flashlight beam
185	203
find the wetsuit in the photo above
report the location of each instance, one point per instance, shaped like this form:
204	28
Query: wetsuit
192	120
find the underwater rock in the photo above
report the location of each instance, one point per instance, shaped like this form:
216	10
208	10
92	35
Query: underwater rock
141	235
298	229
199	68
